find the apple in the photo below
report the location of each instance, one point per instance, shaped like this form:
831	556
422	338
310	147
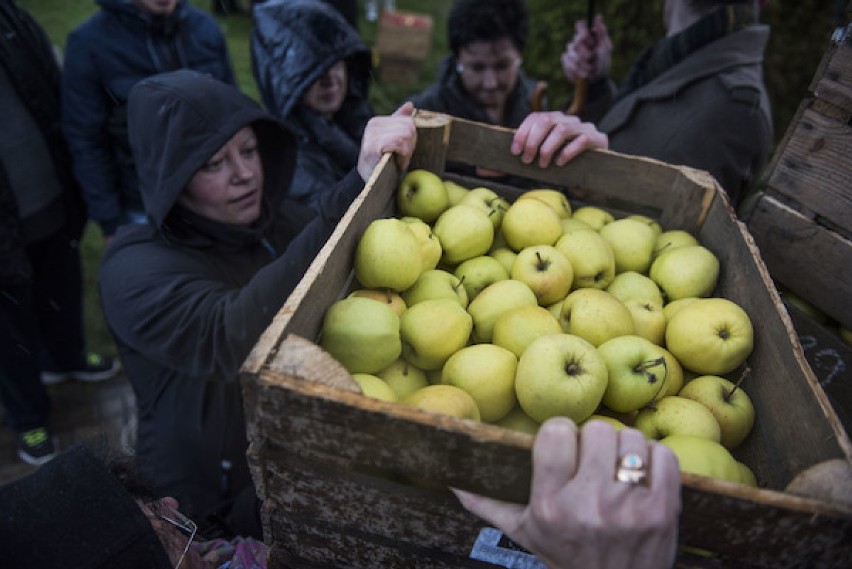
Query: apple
674	374
430	246
675	415
490	202
403	378
649	320
487	373
547	272
493	301
590	256
374	387
637	372
649	221
455	192
444	400
691	270
560	375
515	329
432	331
517	420
672	239
730	405
618	425
595	315
594	216
845	334
361	334
632	244
505	256
464	232
711	336
479	272
697	455
554	198
435	283
789	297
530	222
671	307
388	255
631	285
747	476
385	296
422	194
570	224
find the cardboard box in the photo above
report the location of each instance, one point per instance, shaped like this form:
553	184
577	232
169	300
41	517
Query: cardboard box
355	482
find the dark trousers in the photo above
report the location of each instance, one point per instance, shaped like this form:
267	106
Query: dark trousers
41	328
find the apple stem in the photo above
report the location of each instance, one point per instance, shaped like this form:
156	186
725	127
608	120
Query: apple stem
542	264
648	364
746	372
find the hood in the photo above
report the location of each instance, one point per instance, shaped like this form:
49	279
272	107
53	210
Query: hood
127	10
178	120
72	512
294	42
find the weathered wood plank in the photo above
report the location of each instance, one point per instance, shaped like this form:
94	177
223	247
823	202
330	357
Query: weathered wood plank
833	82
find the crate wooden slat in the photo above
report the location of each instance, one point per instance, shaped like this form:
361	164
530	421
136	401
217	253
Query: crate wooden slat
352	482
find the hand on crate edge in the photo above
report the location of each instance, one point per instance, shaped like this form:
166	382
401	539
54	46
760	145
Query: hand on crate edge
555	136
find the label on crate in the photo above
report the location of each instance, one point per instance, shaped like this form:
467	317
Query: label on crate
492	546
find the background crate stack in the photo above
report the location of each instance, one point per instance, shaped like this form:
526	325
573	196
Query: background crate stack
802	222
403	42
350	481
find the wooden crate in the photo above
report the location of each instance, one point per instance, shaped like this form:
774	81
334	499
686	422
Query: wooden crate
355	482
802	222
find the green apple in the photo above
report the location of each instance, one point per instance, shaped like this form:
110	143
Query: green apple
465	232
489	202
649	320
631	285
697	455
595	315
560	375
444	400
591	258
671	307
530	222
403	378
422	194
675	415
691	270
632	244
430	246
711	336
479	272
487	373
674	374
361	334
570	224
505	256
388	255
672	239
517	420
747	476
515	329
493	301
730	405
385	296
432	331
545	270
435	283
637	372
455	192
373	386
649	221
789	297
594	216
554	198
618	425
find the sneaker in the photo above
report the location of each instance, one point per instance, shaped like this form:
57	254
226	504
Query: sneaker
96	368
36	446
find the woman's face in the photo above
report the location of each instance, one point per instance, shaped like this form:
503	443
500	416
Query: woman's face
228	187
327	93
489	70
157	7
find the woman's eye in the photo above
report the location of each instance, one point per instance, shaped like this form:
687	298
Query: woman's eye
212	165
250	151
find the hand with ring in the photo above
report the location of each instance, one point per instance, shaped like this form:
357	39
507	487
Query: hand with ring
599	498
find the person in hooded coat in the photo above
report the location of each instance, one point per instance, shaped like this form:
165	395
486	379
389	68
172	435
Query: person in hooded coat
313	71
187	295
121	44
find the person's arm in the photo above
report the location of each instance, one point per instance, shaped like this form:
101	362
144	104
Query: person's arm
579	513
588	56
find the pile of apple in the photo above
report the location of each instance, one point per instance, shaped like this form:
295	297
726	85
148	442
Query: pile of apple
512	313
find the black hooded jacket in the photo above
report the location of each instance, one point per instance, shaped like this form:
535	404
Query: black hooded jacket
294	43
186	298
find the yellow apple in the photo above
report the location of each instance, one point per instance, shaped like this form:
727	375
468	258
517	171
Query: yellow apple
430	246
691	270
515	329
594	216
632	244
554	198
487	373
479	272
422	194
517	420
444	400
606	419
545	270
649	221
591	258
464	232
373	386
672	239
636	370
506	257
711	336
595	315
489	202
403	378
494	300
560	375
432	331
671	307
530	222
361	334
649	321
675	415
731	406
388	255
455	192
385	296
698	455
674	374
631	285
435	283
789	297
570	224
